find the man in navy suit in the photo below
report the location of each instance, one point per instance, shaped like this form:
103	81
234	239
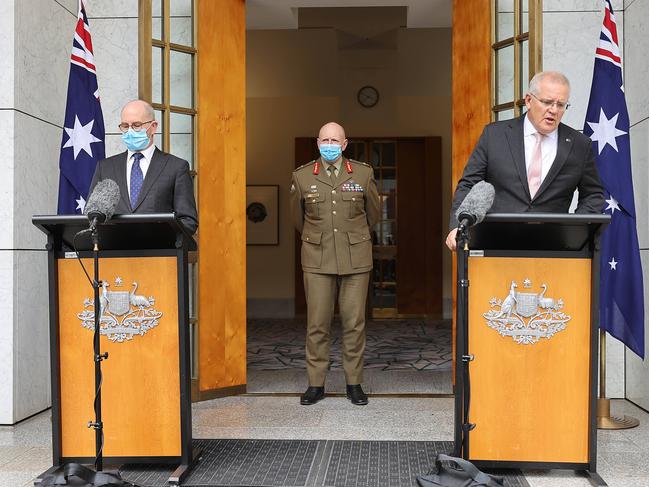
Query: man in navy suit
534	162
150	181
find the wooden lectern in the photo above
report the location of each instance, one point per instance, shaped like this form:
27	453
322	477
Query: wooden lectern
527	335
146	391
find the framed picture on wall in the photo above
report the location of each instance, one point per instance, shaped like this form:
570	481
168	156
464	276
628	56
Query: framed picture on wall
262	214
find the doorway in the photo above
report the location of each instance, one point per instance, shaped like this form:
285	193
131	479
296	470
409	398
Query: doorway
407	276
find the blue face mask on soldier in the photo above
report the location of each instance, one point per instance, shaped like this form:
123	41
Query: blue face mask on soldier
330	152
135	140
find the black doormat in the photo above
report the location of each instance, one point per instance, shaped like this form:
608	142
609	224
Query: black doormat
302	463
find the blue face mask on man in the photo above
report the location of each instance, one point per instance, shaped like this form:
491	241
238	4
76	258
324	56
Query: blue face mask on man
135	140
330	152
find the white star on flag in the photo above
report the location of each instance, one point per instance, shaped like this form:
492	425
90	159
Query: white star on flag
80	137
81	203
605	131
612	205
613	264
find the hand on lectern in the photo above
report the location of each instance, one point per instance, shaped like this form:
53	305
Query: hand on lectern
451	242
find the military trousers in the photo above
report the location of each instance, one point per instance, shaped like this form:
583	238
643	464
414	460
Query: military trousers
321	291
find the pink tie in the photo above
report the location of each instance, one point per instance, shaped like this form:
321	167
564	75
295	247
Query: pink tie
534	172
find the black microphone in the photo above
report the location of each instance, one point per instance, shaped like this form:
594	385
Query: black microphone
476	204
102	202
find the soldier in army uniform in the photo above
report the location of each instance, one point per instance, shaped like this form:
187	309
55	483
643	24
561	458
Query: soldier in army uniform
335	204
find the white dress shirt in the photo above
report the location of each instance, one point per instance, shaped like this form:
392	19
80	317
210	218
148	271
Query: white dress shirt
144	164
548	147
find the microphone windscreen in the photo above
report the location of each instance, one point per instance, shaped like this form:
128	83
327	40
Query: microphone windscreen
477	203
103	200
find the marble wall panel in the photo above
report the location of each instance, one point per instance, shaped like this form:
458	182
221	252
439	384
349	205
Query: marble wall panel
636	67
7	183
614	368
114	144
637	370
115	45
7	44
36	178
31	334
6	336
639	134
112	8
569	43
42	53
579	5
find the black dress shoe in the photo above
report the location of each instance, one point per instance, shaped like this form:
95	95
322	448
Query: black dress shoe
312	395
356	395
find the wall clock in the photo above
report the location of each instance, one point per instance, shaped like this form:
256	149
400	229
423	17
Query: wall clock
368	96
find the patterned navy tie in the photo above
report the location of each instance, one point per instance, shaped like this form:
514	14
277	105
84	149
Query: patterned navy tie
137	178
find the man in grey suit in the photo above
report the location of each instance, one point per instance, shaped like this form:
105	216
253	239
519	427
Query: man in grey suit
150	181
534	162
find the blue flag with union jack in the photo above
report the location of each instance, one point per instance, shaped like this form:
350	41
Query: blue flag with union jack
83	128
621	298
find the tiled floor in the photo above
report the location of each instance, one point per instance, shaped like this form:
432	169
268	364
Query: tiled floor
401	357
623	456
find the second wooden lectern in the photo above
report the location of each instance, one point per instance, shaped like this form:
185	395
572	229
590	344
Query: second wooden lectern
527	342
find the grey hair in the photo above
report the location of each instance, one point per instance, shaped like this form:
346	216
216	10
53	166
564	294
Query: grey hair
554	76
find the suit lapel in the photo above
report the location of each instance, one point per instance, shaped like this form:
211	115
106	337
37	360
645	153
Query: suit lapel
343	175
564	146
120	179
158	163
517	146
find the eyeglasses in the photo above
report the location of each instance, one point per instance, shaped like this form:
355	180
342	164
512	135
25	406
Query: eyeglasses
561	106
137	126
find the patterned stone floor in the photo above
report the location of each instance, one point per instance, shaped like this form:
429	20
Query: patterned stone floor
412	345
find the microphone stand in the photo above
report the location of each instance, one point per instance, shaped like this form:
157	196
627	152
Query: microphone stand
462	357
97	425
97	477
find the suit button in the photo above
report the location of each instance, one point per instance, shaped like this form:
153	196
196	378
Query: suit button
335	229
333	202
333	191
307	238
334	212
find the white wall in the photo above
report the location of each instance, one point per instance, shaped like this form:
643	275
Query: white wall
636	73
36	39
570	34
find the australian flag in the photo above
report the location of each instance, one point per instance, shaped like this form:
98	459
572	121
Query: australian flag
83	130
607	124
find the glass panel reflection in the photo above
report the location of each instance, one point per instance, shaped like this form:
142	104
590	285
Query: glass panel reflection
181	137
504	19
181	31
181	79
505	115
505	75
156	74
525	65
376	155
525	16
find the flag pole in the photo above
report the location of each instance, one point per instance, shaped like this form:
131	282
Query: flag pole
604	419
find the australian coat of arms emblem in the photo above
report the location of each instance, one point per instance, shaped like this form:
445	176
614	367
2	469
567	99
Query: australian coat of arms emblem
123	313
526	316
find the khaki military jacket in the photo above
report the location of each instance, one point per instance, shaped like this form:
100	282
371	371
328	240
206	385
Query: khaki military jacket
335	221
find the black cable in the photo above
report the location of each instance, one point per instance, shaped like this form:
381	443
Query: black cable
74	246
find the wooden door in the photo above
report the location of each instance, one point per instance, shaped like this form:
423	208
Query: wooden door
221	197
